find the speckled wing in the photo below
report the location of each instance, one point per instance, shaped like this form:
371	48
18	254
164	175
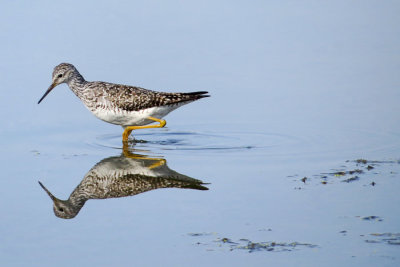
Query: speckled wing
131	98
133	184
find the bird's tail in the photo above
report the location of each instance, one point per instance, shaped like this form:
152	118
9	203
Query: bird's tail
196	95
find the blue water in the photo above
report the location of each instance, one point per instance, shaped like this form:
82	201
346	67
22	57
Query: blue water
298	90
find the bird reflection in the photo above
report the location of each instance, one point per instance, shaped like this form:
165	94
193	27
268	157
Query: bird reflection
126	175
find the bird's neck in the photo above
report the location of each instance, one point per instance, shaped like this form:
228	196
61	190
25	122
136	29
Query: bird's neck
77	200
77	83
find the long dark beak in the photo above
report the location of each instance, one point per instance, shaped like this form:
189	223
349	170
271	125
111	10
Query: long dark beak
48	91
47	191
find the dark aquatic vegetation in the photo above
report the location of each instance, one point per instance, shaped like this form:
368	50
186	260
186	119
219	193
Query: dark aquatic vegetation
351	179
250	246
372	218
361	169
387	238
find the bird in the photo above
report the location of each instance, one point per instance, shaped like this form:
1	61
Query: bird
121	176
131	107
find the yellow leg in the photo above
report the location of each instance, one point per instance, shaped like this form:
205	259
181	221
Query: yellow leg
158	161
129	129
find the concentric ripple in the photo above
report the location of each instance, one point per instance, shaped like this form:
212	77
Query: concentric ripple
181	140
311	144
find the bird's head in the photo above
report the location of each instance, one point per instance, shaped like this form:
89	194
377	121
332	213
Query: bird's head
62	208
62	74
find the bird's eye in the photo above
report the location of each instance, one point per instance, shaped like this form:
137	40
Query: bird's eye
61	209
59	75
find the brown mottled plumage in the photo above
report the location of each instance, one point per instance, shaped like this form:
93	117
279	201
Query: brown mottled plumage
122	176
121	104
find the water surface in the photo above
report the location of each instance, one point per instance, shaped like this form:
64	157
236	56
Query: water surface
298	145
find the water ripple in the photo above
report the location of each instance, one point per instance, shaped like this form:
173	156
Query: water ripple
310	144
180	140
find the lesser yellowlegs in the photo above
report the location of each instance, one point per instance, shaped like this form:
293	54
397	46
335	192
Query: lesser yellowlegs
129	106
121	177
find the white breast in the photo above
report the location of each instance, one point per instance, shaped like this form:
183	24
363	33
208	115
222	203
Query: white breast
129	118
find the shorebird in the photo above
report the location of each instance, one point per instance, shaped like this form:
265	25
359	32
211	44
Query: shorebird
121	176
129	106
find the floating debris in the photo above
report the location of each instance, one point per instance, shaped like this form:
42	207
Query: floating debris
263	229
272	246
355	171
372	241
351	179
36	152
343	173
344	232
362	161
200	234
250	246
387	238
226	240
372	218
347	174
339	173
